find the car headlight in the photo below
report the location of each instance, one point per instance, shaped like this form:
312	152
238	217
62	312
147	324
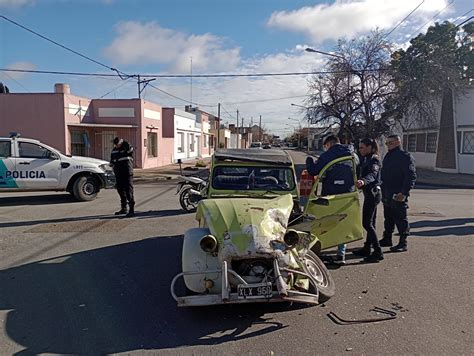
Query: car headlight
291	238
106	167
209	244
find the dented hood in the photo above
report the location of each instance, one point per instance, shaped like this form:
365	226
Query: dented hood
245	227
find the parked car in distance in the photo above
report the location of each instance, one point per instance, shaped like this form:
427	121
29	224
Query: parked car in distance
267	146
257	145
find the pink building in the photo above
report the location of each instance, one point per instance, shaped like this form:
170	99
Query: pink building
81	126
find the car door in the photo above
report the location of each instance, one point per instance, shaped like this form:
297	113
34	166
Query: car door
7	165
338	217
37	167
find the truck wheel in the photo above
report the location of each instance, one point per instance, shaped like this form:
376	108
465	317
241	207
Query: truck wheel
317	270
85	188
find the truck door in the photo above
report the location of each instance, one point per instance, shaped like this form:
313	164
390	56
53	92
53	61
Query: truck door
36	167
7	165
338	217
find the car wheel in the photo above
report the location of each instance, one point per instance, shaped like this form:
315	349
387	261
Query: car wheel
320	275
85	188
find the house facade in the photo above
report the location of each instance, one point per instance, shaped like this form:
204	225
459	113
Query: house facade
81	126
447	146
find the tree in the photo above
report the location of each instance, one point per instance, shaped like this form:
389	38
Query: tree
4	89
435	64
354	93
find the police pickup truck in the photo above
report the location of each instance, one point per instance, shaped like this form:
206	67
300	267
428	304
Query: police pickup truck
29	165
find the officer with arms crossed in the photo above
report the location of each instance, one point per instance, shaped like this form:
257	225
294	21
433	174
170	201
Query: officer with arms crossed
338	179
121	160
398	178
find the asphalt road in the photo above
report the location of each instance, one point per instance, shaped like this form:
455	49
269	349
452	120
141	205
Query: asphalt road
74	279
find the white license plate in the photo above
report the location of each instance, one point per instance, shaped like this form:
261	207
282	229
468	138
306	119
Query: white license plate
254	291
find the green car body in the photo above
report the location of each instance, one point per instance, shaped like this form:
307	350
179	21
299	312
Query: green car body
251	225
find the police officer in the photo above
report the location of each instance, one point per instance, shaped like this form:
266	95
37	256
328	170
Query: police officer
369	182
398	178
122	161
338	180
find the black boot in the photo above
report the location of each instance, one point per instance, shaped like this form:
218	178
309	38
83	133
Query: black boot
362	252
122	211
386	241
375	257
402	245
131	212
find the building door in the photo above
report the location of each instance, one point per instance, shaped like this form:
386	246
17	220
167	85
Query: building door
107	144
198	144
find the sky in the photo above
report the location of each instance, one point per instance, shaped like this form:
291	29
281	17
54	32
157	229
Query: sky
202	37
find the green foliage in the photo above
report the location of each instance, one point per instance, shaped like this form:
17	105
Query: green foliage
434	63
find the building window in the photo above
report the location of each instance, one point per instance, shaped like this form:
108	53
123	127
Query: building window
211	141
152	144
412	143
468	142
431	141
421	142
204	141
5	149
180	142
78	147
405	142
191	142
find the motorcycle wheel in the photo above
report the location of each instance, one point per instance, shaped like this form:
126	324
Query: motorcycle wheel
184	201
314	267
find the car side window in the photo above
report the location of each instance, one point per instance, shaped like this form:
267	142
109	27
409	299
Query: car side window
5	149
32	150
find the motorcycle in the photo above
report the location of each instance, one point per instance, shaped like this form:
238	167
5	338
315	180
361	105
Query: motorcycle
189	190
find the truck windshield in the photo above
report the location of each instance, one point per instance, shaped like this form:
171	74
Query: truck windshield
253	178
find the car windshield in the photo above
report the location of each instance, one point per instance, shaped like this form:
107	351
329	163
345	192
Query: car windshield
255	145
253	178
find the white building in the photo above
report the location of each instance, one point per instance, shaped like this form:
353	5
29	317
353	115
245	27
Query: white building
186	131
447	146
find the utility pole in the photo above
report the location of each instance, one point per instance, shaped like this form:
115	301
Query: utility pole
218	125
237	128
260	129
140	82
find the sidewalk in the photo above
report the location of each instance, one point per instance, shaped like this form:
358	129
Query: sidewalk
428	177
171	171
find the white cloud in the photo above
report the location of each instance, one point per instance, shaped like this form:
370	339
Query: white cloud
19	66
349	18
15	3
149	43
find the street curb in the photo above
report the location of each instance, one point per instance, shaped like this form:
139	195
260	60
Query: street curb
440	185
152	179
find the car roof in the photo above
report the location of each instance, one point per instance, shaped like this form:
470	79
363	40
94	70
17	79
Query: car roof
23	139
264	156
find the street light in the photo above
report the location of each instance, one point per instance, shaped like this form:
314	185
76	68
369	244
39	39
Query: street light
307	108
308	49
299	129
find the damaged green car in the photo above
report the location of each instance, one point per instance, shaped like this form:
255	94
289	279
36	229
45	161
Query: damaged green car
255	243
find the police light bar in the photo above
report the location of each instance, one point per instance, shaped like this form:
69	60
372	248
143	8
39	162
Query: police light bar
14	134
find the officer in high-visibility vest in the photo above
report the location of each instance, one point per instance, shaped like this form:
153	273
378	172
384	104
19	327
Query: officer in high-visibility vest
121	160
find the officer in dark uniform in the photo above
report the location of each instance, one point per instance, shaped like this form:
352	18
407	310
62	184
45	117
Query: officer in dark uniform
338	179
369	182
398	178
121	160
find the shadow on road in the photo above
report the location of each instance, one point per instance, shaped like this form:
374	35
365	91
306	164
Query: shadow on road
117	299
446	227
37	200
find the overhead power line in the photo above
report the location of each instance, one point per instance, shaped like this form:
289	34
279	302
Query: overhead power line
179	98
188	75
427	22
406	17
121	74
